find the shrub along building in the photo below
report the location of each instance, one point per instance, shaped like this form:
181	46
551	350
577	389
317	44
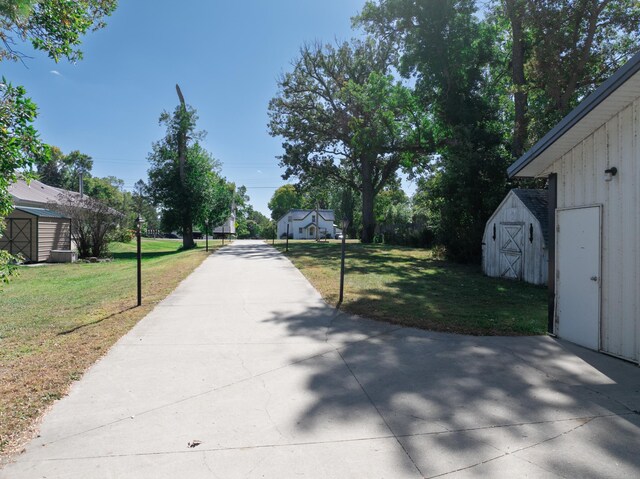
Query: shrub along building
307	224
592	162
516	238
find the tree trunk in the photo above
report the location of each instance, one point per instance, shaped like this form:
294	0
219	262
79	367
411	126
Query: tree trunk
515	10
368	198
187	224
187	235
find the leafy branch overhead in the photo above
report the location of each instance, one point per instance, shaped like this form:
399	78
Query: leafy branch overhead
53	26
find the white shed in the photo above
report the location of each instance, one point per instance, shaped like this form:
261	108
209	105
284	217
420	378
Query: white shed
516	236
592	162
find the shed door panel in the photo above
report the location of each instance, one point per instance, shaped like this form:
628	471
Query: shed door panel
578	278
511	250
19	233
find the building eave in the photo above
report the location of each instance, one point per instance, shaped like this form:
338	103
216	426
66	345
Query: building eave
607	100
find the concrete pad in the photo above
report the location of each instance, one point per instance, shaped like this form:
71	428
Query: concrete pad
246	358
379	459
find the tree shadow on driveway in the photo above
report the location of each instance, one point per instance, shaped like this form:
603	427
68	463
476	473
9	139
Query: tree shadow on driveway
480	404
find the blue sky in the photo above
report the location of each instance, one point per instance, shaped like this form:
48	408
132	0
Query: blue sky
225	55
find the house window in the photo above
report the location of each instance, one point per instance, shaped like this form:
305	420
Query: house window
300	230
313	218
289	219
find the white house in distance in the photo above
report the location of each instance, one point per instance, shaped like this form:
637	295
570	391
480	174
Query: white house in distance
516	238
303	224
592	162
229	226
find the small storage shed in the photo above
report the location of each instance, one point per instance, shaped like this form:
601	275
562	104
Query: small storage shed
516	237
592	162
35	232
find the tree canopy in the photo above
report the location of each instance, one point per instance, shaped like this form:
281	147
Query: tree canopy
343	116
284	199
493	82
53	26
189	192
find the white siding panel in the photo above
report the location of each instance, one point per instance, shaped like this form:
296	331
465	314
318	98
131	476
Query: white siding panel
627	195
614	240
53	233
581	183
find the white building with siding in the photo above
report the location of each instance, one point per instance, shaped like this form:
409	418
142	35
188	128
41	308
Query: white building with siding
303	224
516	237
592	162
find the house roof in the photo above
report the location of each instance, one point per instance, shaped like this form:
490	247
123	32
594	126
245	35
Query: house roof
41	212
595	110
39	195
36	192
299	214
537	202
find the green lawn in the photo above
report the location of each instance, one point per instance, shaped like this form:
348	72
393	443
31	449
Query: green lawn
412	287
57	319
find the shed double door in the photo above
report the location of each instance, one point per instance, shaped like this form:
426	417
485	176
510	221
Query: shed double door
17	237
511	250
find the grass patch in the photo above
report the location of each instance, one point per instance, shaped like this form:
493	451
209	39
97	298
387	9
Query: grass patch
56	320
413	287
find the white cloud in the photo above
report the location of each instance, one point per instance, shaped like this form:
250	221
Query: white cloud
56	72
259	171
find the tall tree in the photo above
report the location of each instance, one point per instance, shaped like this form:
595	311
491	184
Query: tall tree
178	176
450	50
284	199
342	115
192	190
63	171
560	51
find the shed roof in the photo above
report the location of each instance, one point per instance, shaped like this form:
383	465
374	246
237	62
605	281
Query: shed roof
595	110
537	202
41	212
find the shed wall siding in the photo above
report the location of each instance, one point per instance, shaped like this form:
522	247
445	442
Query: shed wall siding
535	256
581	183
53	233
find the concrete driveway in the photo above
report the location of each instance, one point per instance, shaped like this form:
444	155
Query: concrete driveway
244	372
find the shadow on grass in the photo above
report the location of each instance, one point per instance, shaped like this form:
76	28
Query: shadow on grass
132	255
404	286
97	321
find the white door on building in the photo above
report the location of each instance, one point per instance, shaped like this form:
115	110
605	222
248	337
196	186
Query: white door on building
578	275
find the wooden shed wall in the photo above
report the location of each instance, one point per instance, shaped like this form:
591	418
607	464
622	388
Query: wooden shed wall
535	254
581	183
53	233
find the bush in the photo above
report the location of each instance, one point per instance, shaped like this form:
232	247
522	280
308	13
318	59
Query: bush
123	235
